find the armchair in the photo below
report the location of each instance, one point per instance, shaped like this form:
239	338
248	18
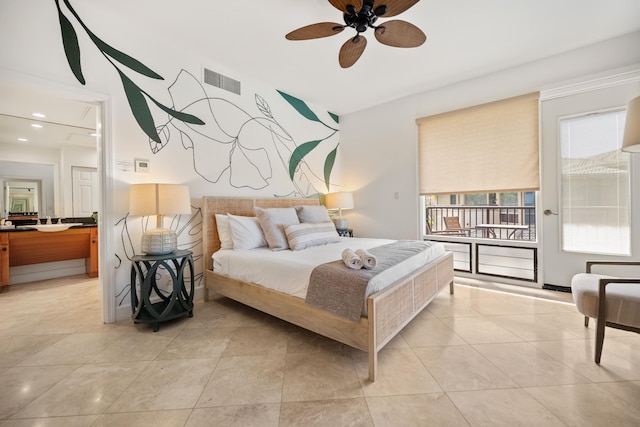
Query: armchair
612	301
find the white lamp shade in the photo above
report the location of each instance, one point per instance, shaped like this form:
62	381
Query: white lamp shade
159	199
341	200
631	138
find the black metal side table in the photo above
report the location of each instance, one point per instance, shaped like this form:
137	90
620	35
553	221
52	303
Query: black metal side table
152	305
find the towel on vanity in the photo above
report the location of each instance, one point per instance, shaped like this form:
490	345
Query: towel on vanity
351	260
368	260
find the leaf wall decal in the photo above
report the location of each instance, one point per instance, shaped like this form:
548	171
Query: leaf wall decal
335	117
70	43
300	106
123	58
183	117
263	106
139	107
328	167
299	153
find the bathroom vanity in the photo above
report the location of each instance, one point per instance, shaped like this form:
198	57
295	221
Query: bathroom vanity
27	246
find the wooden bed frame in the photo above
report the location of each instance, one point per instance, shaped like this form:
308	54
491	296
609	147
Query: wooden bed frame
389	310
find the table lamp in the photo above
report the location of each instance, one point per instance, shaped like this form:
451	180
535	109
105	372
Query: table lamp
159	200
631	138
341	200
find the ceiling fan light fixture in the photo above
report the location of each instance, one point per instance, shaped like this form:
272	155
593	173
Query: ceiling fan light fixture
361	15
380	10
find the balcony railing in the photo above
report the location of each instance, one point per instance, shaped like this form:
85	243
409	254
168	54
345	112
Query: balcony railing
491	222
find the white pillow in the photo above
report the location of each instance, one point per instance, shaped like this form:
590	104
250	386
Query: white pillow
306	234
312	213
273	221
224	231
246	233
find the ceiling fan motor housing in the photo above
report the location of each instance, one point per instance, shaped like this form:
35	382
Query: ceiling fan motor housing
365	18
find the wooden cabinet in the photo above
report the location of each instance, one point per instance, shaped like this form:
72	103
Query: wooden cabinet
25	247
91	263
4	259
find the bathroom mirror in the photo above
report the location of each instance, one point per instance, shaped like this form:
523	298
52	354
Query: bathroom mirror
22	198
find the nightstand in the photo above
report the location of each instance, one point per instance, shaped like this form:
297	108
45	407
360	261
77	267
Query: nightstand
150	304
345	233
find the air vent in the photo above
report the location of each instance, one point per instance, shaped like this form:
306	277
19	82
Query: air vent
223	82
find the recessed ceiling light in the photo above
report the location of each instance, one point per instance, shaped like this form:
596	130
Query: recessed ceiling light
38	115
93	134
23	139
36	125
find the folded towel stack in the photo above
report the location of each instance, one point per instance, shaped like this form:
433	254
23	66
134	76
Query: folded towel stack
351	260
368	260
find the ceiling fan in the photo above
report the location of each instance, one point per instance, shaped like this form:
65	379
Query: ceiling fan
361	15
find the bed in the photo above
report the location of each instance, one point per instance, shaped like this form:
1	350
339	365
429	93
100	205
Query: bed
388	311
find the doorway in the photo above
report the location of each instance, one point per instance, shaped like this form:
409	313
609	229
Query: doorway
42	89
581	199
86	191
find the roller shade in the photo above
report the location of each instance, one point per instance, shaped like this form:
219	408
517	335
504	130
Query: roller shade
486	148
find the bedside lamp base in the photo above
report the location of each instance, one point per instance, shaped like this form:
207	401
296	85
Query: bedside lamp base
159	241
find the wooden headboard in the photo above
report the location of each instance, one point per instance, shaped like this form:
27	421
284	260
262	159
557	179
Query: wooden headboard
235	206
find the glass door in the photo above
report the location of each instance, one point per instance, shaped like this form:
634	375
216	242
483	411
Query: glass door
587	182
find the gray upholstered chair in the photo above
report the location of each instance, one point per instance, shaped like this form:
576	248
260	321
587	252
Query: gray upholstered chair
612	301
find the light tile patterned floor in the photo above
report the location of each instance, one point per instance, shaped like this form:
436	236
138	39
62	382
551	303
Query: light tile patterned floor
477	358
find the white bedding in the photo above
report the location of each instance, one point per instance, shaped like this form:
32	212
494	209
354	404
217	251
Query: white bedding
289	271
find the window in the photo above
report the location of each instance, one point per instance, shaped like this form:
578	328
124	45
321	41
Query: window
506	216
595	186
481	149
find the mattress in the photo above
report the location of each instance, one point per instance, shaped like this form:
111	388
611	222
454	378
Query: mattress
289	271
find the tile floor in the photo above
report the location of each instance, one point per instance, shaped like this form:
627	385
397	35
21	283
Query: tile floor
477	358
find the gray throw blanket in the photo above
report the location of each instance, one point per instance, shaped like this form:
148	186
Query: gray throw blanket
341	290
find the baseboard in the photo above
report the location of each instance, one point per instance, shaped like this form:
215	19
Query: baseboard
49	270
557	288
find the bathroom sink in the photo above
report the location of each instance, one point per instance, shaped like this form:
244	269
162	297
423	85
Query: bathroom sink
51	227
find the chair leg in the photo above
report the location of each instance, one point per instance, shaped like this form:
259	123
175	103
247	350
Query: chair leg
600	324
586	321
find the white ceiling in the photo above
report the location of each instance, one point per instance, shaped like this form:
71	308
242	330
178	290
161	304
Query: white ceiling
67	122
465	39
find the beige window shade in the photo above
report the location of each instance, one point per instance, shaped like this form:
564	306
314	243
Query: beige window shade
487	148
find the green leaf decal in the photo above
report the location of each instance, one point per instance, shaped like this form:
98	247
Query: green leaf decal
124	59
299	153
183	117
335	117
328	167
139	107
71	47
300	106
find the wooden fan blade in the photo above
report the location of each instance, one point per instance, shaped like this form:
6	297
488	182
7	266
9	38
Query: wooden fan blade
395	7
351	51
341	5
400	34
315	31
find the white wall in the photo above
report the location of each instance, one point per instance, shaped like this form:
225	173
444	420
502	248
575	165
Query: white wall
377	143
379	155
258	131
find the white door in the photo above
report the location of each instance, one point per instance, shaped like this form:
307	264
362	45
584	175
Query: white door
585	191
85	191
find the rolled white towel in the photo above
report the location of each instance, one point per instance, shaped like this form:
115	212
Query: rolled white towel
351	260
368	260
